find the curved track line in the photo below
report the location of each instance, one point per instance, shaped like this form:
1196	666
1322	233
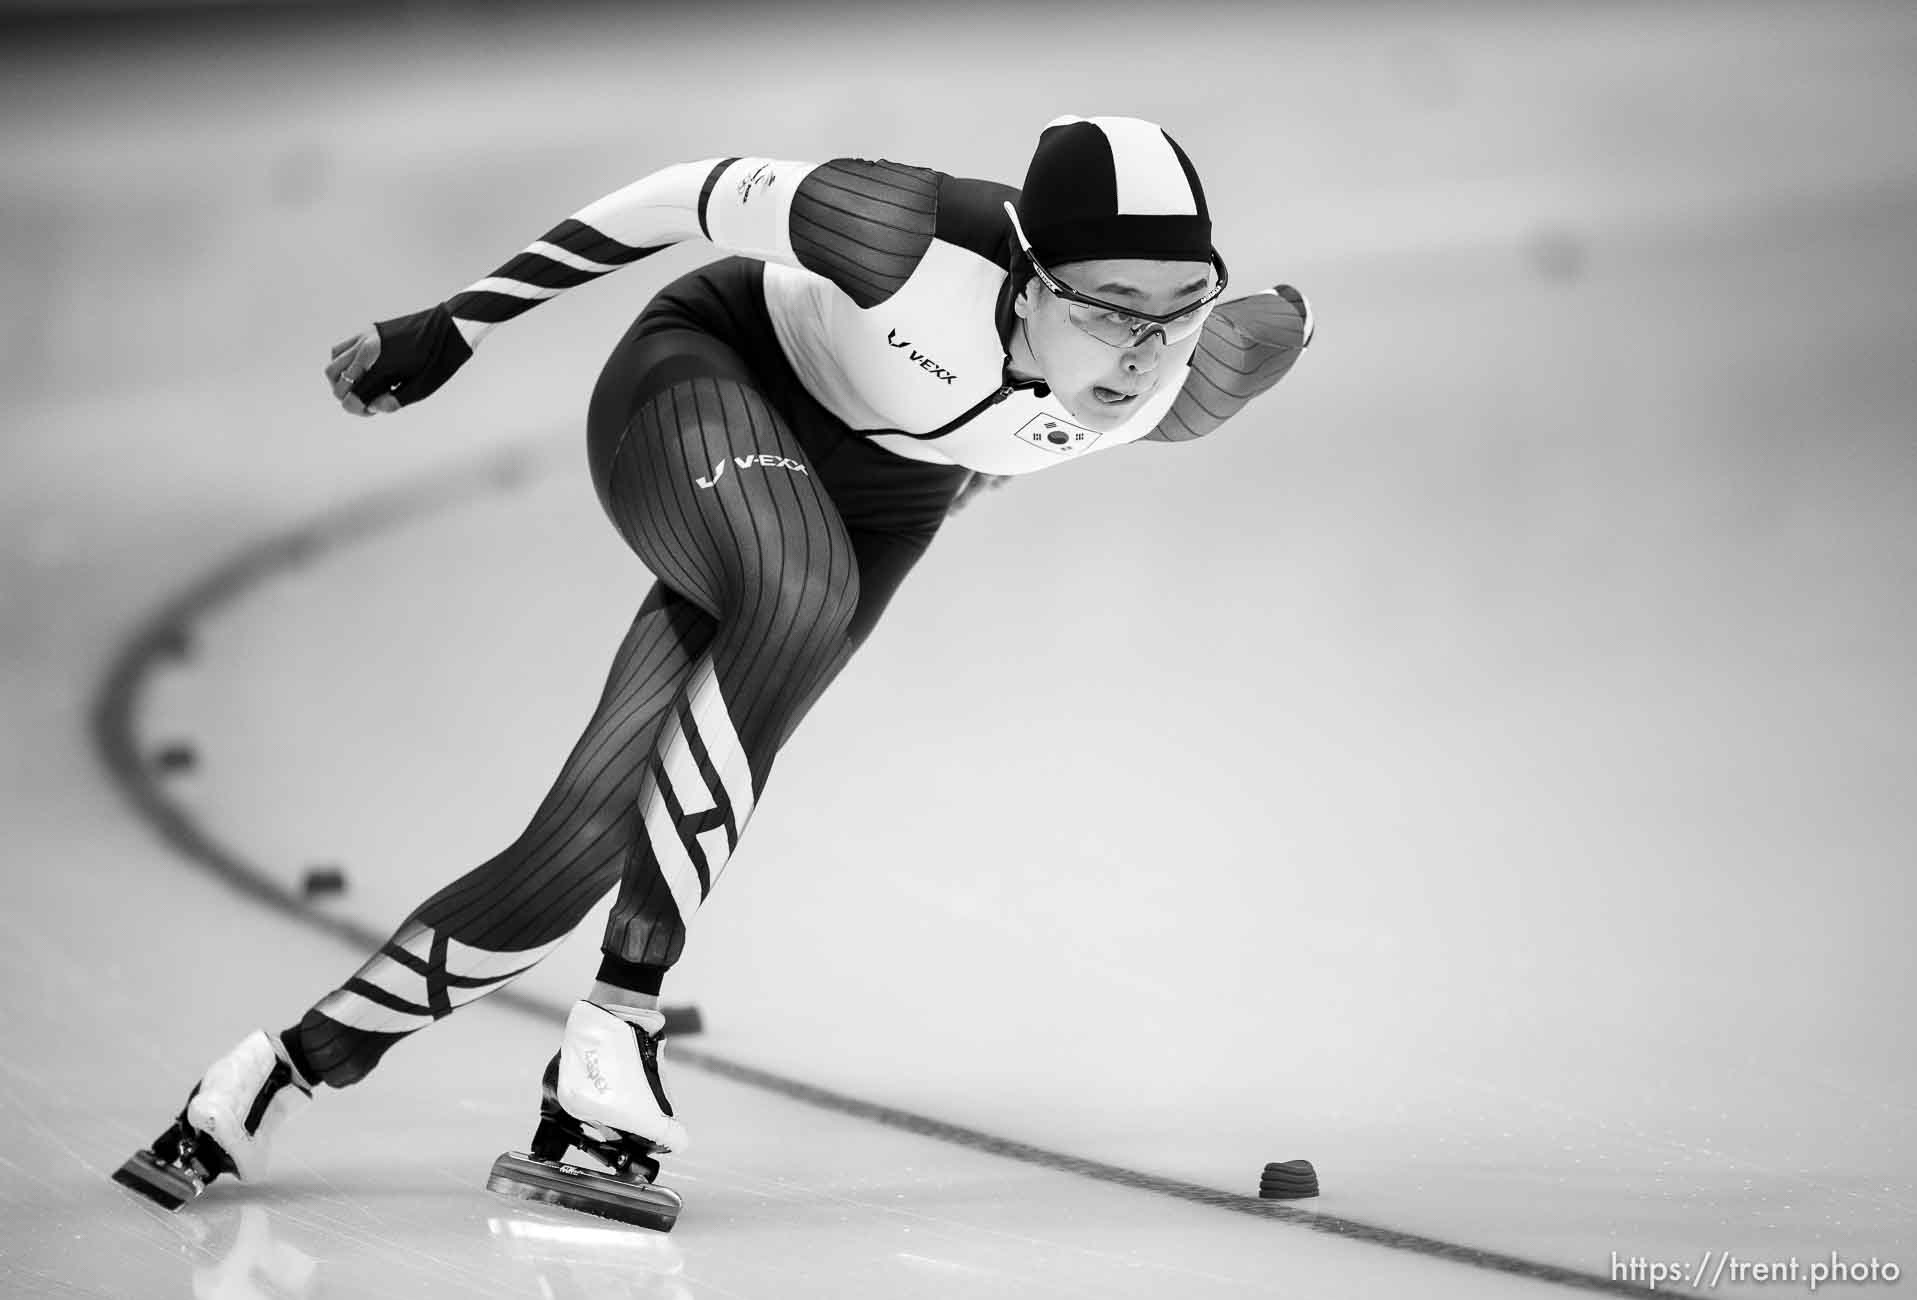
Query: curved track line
164	634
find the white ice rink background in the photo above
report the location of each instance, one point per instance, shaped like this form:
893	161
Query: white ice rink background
1484	768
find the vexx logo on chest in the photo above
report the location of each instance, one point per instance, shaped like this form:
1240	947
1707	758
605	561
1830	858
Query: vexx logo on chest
925	362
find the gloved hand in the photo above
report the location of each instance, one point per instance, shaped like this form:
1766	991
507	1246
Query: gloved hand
1274	318
1287	326
396	362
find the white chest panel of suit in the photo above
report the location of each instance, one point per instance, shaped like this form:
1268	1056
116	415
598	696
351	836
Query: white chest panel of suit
926	356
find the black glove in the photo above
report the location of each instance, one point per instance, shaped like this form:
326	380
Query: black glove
417	354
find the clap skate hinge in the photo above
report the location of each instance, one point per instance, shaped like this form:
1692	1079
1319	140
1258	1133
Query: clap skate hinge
177	1167
625	1190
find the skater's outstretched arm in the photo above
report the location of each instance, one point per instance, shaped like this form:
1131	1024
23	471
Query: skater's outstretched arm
1248	345
863	225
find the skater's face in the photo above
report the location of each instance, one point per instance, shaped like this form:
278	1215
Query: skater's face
1099	361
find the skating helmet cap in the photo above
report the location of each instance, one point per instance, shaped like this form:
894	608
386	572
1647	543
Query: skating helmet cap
1112	187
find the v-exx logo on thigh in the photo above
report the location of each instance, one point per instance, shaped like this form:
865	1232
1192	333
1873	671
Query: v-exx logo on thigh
752	462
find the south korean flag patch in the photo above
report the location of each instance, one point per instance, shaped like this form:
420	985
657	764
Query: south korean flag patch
1057	435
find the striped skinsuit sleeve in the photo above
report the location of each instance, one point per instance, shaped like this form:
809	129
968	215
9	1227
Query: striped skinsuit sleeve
863	225
650	214
1247	346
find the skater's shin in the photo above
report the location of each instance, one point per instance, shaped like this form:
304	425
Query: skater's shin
627	986
497	921
768	554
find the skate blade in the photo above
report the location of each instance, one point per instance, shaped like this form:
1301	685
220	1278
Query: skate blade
167	1186
609	1196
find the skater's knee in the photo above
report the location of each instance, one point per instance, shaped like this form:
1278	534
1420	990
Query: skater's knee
566	842
802	604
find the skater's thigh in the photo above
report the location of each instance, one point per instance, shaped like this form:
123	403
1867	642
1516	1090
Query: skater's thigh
650	359
708	484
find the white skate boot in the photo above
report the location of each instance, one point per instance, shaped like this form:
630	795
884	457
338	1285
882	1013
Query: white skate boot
609	1075
603	1096
227	1126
